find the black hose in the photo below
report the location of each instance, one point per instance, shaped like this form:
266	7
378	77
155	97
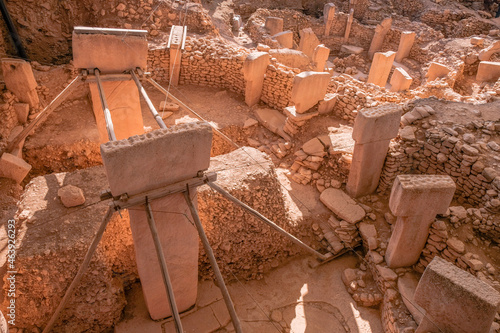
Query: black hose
21	52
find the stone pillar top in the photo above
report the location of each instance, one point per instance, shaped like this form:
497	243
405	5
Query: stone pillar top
416	195
456	300
377	123
158	158
328	12
110	50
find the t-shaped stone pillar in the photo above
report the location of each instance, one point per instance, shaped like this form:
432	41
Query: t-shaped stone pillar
175	43
151	161
320	56
405	45
381	68
308	41
415	200
378	38
254	70
454	300
328	17
373	130
113	51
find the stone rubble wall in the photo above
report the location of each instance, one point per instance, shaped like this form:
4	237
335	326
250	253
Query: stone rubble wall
210	62
277	88
46	26
244	245
53	241
8	116
446	151
441	243
206	62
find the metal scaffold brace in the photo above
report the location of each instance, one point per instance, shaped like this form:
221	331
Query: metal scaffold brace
185	187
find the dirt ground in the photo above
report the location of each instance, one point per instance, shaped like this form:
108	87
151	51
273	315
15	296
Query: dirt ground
292	298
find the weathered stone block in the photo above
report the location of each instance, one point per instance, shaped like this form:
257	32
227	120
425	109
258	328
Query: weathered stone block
274	25
377	123
110	50
415	195
124	106
285	39
342	205
437	71
308	89
381	68
308	41
254	69
400	80
158	158
19	79
13	167
488	71
455	300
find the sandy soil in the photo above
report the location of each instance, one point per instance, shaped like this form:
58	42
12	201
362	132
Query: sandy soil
292	298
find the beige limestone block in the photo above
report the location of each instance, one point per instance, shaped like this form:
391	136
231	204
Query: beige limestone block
13	167
377	123
437	70
405	45
400	80
179	241
488	71
19	79
328	17
414	195
274	25
110	53
254	70
319	58
342	205
158	158
378	38
455	300
308	89
285	39
308	41
381	68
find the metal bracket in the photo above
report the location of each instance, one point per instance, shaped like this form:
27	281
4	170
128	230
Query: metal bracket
124	201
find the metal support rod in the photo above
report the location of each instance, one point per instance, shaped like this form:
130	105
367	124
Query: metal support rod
21	52
164	270
187	108
83	268
213	263
163	90
42	116
148	101
270	223
105	108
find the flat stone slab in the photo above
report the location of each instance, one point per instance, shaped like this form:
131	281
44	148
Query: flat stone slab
456	300
351	49
273	120
342	205
406	286
158	158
